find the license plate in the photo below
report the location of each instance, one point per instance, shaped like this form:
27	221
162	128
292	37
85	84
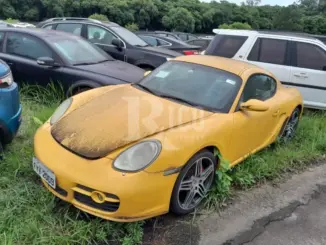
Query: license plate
44	172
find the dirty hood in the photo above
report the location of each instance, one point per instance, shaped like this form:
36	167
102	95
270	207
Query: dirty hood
119	117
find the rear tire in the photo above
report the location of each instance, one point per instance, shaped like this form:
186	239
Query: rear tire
193	183
80	90
291	126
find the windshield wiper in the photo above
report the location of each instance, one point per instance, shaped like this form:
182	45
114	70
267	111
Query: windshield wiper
145	88
187	102
177	99
84	63
102	61
142	46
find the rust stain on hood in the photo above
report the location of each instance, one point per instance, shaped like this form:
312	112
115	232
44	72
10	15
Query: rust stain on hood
117	118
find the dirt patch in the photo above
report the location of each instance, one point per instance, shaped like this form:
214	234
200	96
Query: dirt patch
171	230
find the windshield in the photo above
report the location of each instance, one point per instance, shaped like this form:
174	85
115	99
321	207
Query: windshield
80	52
197	85
129	36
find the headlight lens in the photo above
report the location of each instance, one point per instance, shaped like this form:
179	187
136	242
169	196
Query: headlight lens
60	111
138	156
7	79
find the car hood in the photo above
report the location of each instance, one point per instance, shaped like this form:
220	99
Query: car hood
117	118
161	51
116	69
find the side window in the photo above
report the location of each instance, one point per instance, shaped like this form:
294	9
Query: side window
226	46
150	40
259	87
99	35
27	46
49	27
310	56
2	35
72	28
190	37
163	43
268	50
171	36
183	37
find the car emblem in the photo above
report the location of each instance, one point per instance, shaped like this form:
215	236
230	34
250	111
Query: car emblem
98	197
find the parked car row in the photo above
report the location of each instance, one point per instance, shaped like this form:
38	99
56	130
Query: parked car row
115	40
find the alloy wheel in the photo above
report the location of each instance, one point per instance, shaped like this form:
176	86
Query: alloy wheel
196	183
291	126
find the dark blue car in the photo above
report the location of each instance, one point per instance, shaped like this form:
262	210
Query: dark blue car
10	107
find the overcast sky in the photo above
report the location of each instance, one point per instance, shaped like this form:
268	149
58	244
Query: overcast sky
264	2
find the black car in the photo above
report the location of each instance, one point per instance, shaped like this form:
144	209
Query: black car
116	40
202	42
185	36
44	56
169	43
176	35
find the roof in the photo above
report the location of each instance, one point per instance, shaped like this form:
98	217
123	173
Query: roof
79	20
230	65
268	32
42	33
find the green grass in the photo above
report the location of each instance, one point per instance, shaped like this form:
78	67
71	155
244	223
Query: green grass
31	215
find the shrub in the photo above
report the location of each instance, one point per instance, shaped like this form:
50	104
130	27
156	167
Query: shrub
132	27
100	17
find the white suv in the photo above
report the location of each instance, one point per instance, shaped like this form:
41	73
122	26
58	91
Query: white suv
296	60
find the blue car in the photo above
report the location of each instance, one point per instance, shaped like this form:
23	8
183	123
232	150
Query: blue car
10	107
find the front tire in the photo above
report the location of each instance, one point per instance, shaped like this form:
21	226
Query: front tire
193	183
291	126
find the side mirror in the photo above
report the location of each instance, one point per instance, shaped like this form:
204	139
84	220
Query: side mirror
46	61
254	105
147	73
117	42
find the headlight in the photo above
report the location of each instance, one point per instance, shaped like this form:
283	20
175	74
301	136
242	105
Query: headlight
138	156
7	79
60	111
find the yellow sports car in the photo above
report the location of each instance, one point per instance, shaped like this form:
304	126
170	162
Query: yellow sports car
131	152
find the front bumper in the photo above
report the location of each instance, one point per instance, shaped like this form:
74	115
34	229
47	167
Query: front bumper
127	197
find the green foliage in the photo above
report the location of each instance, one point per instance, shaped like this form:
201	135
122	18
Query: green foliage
132	27
179	19
182	15
100	17
236	25
11	21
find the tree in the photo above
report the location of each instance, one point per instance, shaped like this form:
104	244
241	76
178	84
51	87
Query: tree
100	17
179	19
236	25
289	19
253	2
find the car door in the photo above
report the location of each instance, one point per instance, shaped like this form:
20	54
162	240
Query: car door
254	129
103	39
308	73
21	53
272	54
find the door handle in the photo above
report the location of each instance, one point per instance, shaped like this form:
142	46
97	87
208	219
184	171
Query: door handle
276	113
10	63
302	75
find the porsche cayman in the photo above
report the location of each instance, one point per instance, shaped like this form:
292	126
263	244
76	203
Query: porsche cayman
131	152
